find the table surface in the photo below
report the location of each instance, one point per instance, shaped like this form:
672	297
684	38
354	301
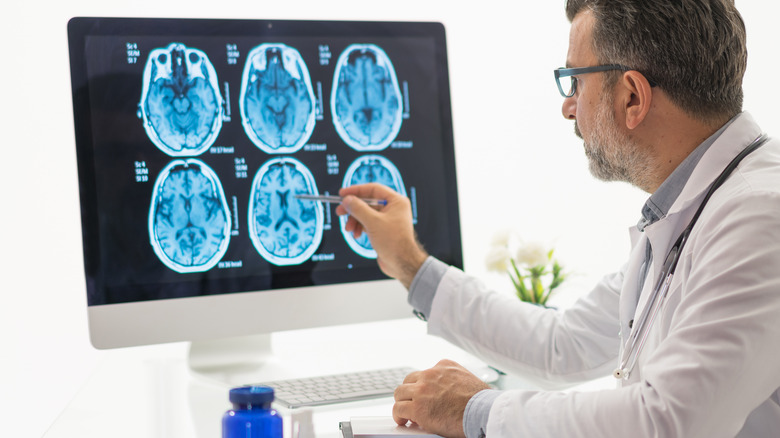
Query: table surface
151	392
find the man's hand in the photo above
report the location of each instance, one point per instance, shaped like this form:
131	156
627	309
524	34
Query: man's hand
436	398
389	229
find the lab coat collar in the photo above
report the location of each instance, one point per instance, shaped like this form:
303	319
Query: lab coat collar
734	139
663	233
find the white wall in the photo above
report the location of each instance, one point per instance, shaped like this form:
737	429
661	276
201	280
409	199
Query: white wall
519	163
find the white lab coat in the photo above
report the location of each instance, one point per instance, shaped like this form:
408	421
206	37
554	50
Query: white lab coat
711	365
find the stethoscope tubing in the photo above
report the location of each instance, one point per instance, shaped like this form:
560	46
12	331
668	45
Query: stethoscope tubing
645	321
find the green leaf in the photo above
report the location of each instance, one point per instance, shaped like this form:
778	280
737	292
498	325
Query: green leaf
519	282
534	291
538	289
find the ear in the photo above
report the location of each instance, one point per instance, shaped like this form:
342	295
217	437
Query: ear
638	97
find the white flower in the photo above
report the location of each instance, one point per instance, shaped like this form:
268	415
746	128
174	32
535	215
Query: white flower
532	254
497	259
502	237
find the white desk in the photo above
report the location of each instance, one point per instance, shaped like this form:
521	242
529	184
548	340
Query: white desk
149	392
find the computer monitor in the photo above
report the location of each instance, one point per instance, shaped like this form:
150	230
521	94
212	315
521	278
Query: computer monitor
193	137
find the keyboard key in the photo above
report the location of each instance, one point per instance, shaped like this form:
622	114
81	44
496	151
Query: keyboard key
338	388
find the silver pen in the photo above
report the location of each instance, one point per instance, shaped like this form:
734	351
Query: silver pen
337	199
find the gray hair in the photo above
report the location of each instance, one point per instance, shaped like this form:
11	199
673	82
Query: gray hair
693	49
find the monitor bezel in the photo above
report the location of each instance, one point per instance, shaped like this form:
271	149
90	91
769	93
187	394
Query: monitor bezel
368	301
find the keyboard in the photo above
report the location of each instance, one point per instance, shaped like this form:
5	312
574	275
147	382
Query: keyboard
337	388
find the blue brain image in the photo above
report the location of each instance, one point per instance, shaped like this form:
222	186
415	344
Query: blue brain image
189	220
180	104
368	169
283	229
366	101
277	99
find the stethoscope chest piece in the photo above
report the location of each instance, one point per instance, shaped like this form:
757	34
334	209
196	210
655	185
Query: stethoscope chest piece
620	373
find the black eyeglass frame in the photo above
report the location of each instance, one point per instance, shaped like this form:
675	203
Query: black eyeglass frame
568	72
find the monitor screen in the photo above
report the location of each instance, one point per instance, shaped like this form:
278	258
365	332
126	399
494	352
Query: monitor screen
194	137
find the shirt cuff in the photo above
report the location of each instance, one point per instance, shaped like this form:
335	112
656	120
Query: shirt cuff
424	286
475	417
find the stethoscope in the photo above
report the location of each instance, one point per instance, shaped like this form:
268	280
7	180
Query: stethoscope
645	321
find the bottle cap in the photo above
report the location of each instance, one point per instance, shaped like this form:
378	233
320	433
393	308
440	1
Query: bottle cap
252	395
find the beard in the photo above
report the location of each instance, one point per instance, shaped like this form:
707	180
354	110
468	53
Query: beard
613	155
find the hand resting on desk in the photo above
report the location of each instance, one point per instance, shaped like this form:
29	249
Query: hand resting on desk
436	398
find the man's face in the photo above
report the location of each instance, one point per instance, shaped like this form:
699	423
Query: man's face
612	154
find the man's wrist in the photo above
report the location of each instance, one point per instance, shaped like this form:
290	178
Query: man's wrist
475	416
425	285
412	267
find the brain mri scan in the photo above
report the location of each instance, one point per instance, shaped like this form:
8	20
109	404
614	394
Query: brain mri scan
180	104
189	220
367	169
366	100
277	99
283	229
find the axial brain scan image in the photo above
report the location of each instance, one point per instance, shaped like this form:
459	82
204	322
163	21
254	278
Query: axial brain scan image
367	169
284	230
366	100
180	104
277	99
189	220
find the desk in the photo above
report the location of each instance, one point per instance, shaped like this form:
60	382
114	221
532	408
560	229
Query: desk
149	392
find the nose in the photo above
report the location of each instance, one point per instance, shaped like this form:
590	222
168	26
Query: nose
569	108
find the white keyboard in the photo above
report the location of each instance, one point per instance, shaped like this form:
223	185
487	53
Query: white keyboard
337	388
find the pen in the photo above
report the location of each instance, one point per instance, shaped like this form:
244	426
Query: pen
337	199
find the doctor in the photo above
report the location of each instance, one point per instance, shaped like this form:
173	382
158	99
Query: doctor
654	88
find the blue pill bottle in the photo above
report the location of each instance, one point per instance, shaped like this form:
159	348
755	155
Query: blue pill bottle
251	416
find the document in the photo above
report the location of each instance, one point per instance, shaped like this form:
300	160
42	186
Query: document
381	427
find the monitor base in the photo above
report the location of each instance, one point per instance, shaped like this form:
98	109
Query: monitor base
230	361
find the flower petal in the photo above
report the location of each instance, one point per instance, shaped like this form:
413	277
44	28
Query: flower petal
532	254
497	259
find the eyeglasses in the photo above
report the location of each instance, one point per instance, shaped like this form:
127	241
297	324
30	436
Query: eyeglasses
568	88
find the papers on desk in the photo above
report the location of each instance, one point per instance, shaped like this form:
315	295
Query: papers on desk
380	427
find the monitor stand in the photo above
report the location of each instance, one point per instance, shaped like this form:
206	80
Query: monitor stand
231	361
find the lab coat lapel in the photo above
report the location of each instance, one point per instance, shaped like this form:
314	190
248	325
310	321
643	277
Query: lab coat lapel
664	233
629	295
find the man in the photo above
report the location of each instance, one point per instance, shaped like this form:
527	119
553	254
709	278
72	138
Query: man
662	110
